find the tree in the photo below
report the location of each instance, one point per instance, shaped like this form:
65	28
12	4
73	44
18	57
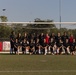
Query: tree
17	27
3	18
5	31
38	28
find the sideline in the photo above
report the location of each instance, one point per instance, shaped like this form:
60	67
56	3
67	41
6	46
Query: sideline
40	71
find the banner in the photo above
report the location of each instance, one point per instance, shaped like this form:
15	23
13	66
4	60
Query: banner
6	45
1	46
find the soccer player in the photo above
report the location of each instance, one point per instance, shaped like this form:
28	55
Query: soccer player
32	47
73	47
47	37
19	37
53	36
12	40
37	47
41	38
71	38
64	37
51	45
44	47
67	46
58	37
25	36
55	49
16	46
25	47
59	47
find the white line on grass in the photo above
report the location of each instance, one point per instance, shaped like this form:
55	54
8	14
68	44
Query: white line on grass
39	71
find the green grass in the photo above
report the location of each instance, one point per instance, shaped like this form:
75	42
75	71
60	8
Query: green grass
37	64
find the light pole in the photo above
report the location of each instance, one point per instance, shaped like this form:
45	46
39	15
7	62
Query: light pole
4	17
3	11
60	12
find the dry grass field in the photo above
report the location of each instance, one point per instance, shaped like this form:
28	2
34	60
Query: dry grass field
37	64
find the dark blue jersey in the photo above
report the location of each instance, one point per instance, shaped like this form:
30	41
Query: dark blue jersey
24	44
12	38
64	38
67	44
51	44
16	45
32	45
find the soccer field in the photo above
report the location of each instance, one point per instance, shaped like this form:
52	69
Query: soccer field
37	64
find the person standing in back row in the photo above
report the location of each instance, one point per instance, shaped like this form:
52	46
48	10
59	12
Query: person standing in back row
41	38
12	40
19	38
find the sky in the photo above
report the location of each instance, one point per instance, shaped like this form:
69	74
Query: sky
28	10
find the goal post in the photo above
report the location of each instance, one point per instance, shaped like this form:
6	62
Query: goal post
26	25
66	23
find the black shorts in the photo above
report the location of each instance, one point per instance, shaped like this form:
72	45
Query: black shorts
15	49
23	49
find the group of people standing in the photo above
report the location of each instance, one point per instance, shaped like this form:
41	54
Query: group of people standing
43	43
